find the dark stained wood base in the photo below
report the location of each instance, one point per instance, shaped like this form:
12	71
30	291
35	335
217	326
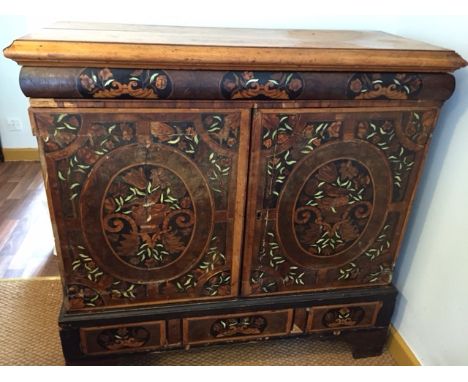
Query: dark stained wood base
367	343
87	337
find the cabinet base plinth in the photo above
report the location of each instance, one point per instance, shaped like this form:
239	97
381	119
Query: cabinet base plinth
367	343
359	316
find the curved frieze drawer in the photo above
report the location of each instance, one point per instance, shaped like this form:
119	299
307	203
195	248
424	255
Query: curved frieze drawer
156	84
338	317
123	338
235	327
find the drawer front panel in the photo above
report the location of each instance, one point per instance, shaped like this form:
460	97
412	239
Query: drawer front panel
332	190
148	204
337	317
122	339
237	327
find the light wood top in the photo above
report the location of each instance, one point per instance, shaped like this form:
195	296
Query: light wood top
117	45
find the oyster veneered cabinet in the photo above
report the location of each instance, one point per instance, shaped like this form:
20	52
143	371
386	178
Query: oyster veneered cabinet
210	185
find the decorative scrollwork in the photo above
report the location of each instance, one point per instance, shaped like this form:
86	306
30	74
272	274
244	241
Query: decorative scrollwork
345	316
384	86
241	326
123	338
333	207
124	83
148	216
261	85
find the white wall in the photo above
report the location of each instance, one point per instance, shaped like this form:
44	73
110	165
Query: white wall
13	104
432	311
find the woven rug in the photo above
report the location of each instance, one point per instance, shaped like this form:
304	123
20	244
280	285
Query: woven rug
29	336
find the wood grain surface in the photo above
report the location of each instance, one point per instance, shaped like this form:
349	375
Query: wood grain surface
26	239
115	45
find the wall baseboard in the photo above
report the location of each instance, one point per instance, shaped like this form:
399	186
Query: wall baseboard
399	350
20	154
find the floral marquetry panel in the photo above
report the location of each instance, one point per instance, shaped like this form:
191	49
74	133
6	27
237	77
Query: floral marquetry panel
148	205
333	188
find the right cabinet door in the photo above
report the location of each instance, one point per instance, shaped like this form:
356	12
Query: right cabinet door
329	195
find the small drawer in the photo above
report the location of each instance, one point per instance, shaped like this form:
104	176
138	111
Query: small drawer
234	327
123	338
337	317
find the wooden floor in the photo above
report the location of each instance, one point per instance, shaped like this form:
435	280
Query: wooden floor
26	239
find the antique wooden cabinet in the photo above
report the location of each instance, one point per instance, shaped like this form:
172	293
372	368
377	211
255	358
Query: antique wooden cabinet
212	185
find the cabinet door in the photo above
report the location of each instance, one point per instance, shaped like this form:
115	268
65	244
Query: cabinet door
148	204
329	194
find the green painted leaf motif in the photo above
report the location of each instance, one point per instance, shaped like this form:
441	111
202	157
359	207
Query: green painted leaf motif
174	141
251	81
153	77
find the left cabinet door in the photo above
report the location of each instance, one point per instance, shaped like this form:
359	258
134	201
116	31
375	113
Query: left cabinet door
147	205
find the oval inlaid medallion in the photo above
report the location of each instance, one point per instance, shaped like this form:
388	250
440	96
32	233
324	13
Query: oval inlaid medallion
139	213
333	207
334	204
148	216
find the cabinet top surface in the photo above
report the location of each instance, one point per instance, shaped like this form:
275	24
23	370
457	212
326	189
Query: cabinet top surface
71	43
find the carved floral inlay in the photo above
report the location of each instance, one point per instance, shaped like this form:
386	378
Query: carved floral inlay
415	133
106	137
148	216
81	296
384	86
123	338
261	85
275	269
345	316
60	131
277	134
241	326
223	129
383	134
219	284
97	286
124	83
371	266
333	207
